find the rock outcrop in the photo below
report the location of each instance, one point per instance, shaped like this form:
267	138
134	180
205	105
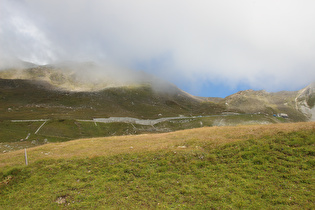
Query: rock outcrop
305	101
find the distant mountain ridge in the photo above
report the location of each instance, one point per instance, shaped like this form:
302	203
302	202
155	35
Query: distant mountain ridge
65	91
250	101
73	77
71	89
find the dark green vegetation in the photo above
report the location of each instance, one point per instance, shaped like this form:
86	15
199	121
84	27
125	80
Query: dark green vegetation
26	99
273	172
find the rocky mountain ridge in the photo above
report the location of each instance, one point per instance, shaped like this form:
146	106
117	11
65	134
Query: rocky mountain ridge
305	101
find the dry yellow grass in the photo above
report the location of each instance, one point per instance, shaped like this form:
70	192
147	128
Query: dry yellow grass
107	146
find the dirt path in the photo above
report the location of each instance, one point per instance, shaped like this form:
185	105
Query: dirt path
135	120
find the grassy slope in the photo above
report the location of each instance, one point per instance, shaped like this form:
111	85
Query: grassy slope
23	99
270	166
13	134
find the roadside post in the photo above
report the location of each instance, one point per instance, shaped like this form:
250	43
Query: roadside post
25	155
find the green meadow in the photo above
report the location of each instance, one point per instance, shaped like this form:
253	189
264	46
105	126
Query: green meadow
251	167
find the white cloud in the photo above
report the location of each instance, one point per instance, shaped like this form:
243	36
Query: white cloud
264	44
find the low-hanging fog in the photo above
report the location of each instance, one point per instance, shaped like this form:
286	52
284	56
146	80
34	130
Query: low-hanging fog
194	44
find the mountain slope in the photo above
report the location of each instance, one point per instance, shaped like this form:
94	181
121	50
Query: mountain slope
250	101
305	101
87	90
50	92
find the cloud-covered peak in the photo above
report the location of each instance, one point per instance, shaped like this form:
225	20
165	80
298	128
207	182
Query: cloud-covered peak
259	44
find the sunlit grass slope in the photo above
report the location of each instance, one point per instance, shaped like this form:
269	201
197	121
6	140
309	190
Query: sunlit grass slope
192	139
258	166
